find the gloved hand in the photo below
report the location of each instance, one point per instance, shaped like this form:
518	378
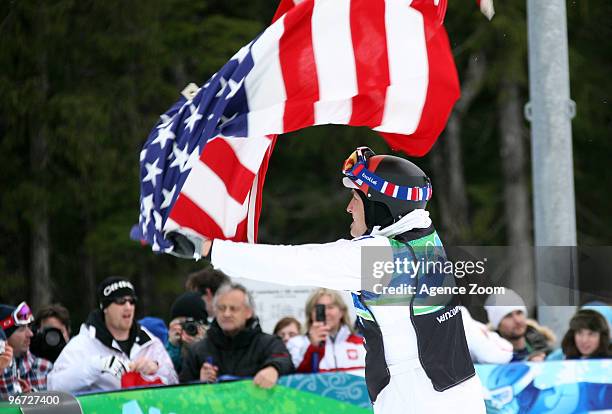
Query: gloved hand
186	246
114	365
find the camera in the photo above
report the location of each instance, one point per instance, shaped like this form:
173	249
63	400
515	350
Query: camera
190	326
47	343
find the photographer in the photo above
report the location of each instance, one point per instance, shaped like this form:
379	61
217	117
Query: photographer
188	324
24	372
51	331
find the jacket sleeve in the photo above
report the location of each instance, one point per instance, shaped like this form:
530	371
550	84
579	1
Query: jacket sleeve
486	347
166	370
191	366
335	265
278	357
75	369
302	351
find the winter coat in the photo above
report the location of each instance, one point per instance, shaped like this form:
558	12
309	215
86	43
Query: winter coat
78	367
343	352
242	355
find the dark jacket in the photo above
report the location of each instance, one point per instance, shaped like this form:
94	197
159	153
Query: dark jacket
536	340
442	347
242	355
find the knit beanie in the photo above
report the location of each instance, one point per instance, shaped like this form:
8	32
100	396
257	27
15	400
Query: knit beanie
190	305
114	287
498	306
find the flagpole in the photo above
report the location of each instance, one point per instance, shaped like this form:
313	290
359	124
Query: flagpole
550	112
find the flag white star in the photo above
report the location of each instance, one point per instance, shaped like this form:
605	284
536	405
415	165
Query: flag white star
223	86
168	196
180	157
165	121
193	158
143	154
152	172
163	136
234	87
146	207
193	118
155	245
157	219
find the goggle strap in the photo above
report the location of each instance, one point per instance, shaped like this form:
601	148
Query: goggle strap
362	176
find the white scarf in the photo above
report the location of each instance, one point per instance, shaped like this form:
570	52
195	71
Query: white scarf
416	219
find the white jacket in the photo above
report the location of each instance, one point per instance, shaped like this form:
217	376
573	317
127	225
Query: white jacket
335	265
486	347
346	351
78	367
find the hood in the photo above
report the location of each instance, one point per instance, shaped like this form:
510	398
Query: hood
102	334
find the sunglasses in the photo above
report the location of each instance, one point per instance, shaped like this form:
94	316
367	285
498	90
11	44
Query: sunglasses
21	316
122	301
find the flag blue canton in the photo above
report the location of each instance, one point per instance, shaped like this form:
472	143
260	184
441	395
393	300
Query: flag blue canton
219	108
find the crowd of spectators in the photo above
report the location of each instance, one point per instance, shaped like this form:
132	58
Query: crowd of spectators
213	334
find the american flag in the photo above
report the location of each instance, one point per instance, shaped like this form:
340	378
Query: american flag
386	65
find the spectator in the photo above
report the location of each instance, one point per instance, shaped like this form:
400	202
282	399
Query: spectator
206	282
26	372
51	333
486	347
287	328
189	321
6	352
109	344
508	316
588	336
56	316
329	345
235	345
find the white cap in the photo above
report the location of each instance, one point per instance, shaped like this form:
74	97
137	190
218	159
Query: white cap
500	305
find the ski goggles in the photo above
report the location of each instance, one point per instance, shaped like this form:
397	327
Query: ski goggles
21	316
355	168
359	156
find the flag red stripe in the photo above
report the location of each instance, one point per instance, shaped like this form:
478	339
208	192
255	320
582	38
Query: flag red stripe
241	231
188	214
299	69
260	183
389	189
371	63
443	88
220	157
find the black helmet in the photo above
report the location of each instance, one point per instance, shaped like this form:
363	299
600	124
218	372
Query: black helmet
389	186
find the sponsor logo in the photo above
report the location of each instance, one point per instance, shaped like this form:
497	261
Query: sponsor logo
117	285
369	179
448	314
